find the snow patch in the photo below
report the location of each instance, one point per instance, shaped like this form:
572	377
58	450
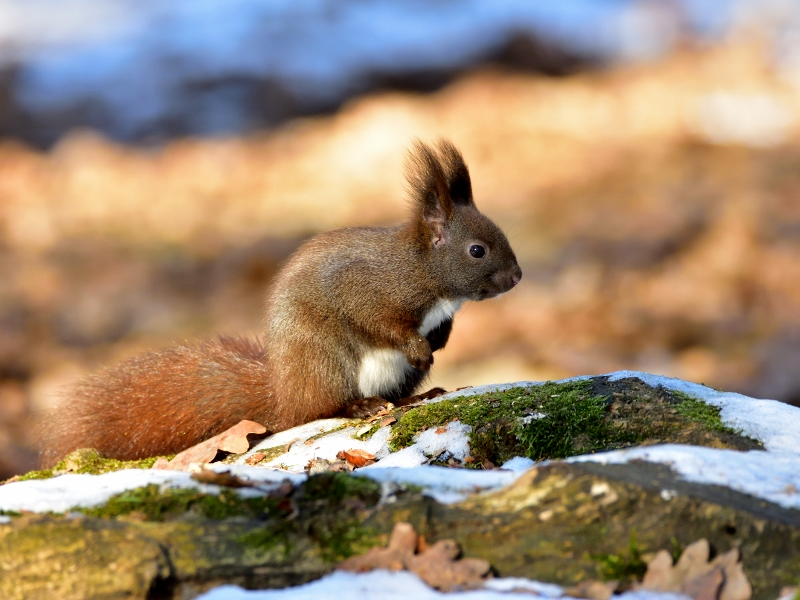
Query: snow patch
518	463
304	449
60	494
770	476
387	585
443	484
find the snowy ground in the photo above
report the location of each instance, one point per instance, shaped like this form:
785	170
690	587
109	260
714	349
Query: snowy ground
384	585
772	475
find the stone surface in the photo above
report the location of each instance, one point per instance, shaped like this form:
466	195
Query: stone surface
551	525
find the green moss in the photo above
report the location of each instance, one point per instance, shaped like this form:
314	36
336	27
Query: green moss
548	421
330	505
369	433
42	474
88	460
625	568
270	454
338	487
700	412
557	420
268	538
156	504
342	538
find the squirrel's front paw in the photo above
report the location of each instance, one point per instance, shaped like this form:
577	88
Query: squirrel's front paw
418	353
365	407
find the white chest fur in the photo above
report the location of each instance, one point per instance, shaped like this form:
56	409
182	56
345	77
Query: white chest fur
443	310
383	370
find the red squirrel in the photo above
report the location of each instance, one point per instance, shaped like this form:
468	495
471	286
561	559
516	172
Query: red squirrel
352	321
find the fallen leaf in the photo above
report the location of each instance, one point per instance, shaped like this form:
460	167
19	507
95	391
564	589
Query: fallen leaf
401	545
380	414
289	445
693	575
693	562
356	457
441	430
388	421
232	440
321	465
224	478
436	565
161	463
255	458
704	586
658	577
592	589
736	586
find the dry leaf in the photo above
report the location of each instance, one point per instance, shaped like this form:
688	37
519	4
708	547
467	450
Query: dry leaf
224	478
388	421
435	565
356	457
402	543
321	465
592	589
736	586
255	458
704	586
381	413
161	463
693	574
232	440
658	577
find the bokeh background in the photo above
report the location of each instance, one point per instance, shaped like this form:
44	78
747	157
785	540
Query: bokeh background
158	161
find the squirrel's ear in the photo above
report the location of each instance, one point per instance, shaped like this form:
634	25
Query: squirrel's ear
429	191
459	185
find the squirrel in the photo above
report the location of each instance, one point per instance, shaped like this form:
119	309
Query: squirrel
352	321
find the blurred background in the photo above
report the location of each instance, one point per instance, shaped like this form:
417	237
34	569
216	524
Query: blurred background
159	160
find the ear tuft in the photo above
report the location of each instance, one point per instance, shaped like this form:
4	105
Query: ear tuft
459	184
428	188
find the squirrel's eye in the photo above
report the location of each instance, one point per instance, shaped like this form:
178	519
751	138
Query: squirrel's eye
477	251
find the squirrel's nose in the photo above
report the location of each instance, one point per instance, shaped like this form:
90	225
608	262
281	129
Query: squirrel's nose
516	276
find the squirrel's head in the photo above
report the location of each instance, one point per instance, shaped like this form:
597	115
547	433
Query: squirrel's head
469	255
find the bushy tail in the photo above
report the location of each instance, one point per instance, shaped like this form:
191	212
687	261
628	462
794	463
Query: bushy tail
164	402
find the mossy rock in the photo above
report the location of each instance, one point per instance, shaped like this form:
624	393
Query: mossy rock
177	542
559	420
86	460
549	421
561	523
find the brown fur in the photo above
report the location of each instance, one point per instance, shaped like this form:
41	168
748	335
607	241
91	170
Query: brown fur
342	295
